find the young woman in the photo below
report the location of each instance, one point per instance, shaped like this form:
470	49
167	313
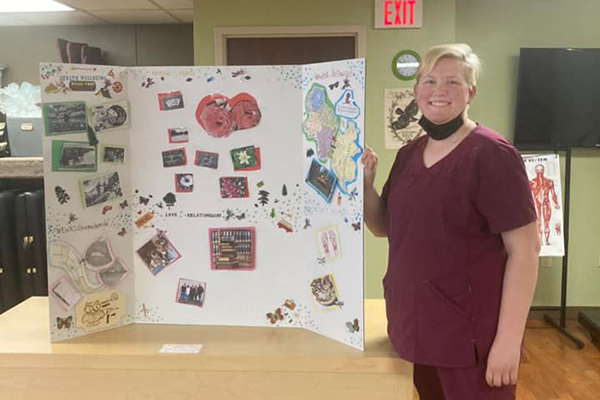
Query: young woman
463	244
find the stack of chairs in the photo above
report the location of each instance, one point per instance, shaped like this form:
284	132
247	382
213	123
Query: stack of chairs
23	266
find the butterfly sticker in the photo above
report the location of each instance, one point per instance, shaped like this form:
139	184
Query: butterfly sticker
106	209
334	85
275	316
123	232
237	73
148	83
353	194
64	323
144	200
124	204
321	260
72	218
353	326
356	226
310	153
306	223
346	84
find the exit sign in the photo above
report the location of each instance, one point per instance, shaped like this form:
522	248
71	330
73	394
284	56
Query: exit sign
390	14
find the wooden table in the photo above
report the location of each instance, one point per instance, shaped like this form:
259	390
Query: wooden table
234	363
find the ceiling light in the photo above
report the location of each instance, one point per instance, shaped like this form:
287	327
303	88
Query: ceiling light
32	6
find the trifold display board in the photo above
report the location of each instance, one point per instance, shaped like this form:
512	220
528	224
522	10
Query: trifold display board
205	195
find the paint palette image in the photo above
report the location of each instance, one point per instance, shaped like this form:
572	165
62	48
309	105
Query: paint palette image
232	248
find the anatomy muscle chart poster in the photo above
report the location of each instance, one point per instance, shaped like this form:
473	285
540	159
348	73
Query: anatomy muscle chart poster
205	195
543	172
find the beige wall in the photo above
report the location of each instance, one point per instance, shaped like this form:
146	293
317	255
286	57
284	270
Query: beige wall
496	29
23	48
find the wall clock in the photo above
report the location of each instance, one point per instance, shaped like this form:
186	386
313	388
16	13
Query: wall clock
405	64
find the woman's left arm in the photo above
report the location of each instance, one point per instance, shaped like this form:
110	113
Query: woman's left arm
520	277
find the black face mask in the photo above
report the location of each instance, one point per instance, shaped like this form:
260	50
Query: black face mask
441	132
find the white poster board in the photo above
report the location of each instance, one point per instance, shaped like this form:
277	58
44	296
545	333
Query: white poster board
543	172
214	196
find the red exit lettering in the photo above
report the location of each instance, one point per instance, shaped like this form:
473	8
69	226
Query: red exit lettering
402	12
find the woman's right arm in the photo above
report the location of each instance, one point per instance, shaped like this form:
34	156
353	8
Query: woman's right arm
375	208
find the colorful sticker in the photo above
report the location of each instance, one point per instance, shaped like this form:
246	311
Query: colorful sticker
184	183
82	86
174	158
170	101
109	116
65	293
234	187
101	311
113	154
64	118
144	219
321	123
344	159
191	292
321	179
246	158
219	116
325	293
178	135
73	156
232	248
100	189
328	243
346	106
207	159
158	253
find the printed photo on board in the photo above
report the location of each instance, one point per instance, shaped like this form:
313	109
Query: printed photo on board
109	116
191	292
321	179
178	135
174	158
184	183
232	248
113	154
206	159
100	189
158	253
63	118
77	157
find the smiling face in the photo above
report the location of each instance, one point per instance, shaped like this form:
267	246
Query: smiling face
443	93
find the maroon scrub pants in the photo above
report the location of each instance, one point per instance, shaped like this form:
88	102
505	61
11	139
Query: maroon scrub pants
439	383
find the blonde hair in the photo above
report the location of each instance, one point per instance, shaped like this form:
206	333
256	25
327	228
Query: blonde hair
457	51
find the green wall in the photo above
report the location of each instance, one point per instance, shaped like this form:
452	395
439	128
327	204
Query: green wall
496	29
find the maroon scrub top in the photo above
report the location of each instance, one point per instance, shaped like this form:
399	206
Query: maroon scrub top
443	286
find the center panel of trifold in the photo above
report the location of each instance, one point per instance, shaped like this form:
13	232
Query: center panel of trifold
224	196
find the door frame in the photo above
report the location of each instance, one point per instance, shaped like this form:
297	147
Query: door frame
222	33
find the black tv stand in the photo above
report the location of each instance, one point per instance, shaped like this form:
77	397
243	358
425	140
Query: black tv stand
590	320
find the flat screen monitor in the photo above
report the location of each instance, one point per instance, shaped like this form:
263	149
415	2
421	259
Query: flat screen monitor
558	98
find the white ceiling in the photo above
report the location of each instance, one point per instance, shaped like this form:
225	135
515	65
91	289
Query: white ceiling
101	12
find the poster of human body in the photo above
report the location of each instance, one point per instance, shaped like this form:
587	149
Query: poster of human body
208	189
543	172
